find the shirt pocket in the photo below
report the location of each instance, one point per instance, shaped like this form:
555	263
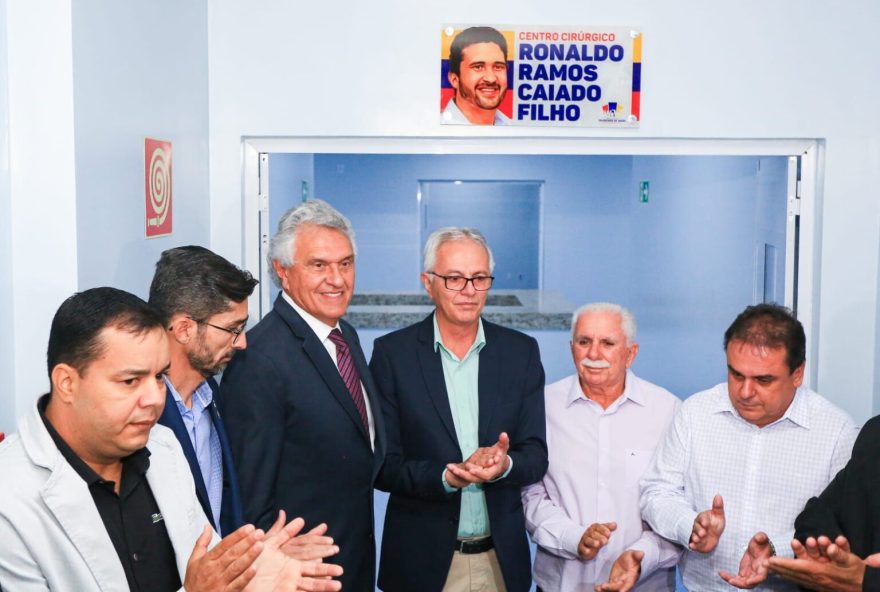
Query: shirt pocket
636	461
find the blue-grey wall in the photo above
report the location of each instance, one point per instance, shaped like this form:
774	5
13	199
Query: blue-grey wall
137	73
684	262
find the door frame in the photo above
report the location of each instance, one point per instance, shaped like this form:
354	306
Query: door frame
809	152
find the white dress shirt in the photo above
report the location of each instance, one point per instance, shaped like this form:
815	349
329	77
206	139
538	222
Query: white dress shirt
322	331
452	114
765	476
596	459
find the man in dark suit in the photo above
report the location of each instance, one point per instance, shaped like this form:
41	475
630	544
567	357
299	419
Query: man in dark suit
300	406
837	536
203	298
464	414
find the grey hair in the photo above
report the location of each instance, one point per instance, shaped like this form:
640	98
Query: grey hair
453	233
315	212
627	318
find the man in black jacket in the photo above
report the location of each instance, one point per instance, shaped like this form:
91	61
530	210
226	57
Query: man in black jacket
837	536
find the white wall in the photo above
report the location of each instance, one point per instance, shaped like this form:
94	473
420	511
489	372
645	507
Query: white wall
140	69
81	84
38	262
748	69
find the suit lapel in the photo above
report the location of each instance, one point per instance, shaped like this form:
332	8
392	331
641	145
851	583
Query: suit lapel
67	497
432	371
230	509
171	418
319	356
165	477
490	370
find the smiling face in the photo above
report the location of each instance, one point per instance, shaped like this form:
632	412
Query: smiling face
466	258
213	348
107	411
601	354
321	279
759	383
482	79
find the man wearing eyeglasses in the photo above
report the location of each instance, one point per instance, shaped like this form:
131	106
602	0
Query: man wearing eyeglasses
463	406
203	298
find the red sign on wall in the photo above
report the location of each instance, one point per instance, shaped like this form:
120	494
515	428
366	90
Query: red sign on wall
157	186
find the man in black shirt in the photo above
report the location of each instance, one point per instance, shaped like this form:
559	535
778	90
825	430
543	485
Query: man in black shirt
86	458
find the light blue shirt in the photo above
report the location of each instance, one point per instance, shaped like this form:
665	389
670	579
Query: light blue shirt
462	387
205	441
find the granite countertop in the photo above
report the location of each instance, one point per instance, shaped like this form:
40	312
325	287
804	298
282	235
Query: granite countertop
518	309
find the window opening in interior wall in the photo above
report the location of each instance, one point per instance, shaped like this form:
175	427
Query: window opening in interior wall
508	213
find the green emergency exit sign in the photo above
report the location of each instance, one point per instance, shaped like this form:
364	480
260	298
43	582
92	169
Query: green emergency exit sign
643	191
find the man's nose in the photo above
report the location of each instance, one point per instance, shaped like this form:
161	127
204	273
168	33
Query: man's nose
469	288
154	393
334	276
240	342
747	390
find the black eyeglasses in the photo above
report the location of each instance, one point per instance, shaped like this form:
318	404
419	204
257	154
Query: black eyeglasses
458	283
236	333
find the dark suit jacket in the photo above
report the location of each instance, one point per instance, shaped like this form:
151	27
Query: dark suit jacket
230	507
298	441
850	505
421	523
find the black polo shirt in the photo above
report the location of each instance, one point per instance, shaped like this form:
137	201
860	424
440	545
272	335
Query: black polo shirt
132	518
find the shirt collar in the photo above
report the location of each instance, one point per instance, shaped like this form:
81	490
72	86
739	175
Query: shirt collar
456	116
320	328
139	460
478	344
798	412
630	393
203	395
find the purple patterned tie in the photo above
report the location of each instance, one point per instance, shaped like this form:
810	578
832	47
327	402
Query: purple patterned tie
350	375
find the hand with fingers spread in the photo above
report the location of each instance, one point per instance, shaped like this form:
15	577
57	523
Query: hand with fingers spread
275	571
309	546
228	567
624	573
824	565
594	538
753	566
485	464
708	526
308	550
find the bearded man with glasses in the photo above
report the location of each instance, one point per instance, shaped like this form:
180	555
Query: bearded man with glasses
463	406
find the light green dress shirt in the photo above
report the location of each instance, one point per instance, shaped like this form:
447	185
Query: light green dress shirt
462	387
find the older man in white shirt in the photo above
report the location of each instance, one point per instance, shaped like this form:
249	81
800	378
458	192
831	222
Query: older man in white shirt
602	426
741	459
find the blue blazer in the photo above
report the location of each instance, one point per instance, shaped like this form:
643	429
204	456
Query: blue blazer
298	441
421	522
230	508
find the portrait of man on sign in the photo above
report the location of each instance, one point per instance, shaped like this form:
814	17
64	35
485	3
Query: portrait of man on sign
474	78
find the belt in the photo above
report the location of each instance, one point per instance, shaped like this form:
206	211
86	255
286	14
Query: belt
471	546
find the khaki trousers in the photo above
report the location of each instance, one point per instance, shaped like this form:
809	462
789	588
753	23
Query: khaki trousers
476	572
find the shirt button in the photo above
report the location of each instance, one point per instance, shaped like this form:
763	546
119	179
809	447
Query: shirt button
135	556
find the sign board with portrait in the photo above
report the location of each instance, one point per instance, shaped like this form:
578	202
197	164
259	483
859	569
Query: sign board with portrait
556	76
157	187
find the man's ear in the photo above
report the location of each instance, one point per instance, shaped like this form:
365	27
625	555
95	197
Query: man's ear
631	355
453	80
798	375
279	272
65	382
182	328
426	282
